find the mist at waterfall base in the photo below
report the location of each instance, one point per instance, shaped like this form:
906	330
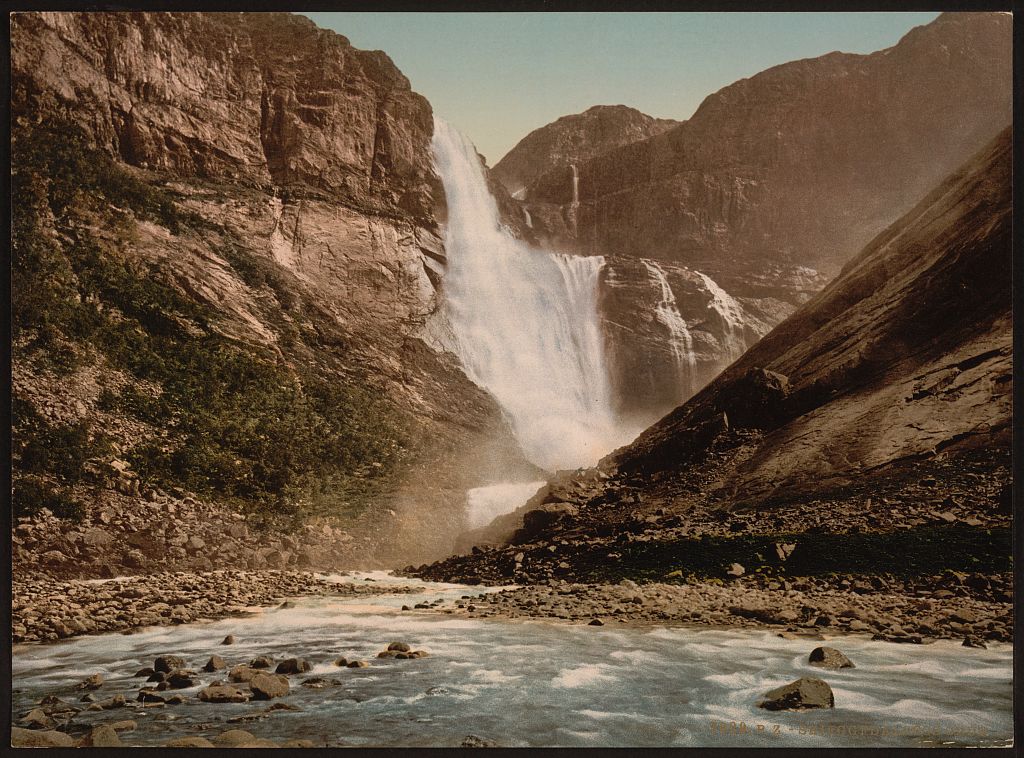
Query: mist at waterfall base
524	321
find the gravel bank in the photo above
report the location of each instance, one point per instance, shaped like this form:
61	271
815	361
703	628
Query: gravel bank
45	609
891	616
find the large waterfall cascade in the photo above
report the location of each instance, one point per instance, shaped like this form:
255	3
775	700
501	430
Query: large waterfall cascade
523	321
680	341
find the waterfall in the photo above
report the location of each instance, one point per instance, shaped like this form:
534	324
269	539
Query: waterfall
523	321
730	314
680	341
575	187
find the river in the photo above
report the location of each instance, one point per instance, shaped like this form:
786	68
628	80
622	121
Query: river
535	683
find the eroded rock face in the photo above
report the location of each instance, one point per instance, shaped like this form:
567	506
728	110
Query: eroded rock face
905	355
310	160
572	139
264	98
771	186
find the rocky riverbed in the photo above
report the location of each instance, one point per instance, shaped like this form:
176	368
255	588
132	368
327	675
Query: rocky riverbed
386	666
45	609
805	607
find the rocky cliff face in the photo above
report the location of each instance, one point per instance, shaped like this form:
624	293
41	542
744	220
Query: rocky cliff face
573	139
905	357
280	182
778	179
869	433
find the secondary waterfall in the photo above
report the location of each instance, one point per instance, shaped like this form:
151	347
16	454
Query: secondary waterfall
680	341
730	314
524	321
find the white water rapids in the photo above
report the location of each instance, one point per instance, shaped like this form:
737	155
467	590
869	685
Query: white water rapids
534	683
523	321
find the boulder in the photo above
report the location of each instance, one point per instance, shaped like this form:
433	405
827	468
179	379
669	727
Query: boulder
268	686
189	742
356	664
168	663
242	673
216	663
547	515
149	696
101	736
181	679
93	682
37	718
222	693
471	740
233	738
736	569
293	666
401	647
806	692
39	738
229	640
261	662
829	658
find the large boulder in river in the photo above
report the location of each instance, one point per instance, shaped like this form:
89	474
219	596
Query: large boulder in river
216	663
222	693
168	663
829	658
268	686
293	666
242	673
806	692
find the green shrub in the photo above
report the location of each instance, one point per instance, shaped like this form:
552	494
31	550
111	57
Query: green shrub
277	438
30	495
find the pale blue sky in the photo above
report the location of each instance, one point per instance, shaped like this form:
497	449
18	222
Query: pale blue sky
498	76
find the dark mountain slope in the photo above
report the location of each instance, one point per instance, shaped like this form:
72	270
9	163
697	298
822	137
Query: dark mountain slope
881	408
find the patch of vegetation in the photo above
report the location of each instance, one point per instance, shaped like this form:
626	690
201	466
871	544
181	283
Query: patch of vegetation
235	424
49	459
31	494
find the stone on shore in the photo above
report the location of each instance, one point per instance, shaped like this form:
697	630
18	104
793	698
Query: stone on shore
233	738
101	736
829	658
39	738
37	718
471	740
806	692
189	742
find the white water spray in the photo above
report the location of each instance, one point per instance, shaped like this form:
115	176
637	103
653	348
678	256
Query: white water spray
680	341
524	321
